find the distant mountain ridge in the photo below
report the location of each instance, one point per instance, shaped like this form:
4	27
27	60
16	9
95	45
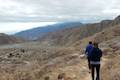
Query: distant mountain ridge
35	33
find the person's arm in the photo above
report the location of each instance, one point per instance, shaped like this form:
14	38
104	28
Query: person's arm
86	50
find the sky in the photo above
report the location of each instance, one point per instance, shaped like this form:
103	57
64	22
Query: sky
14	27
17	15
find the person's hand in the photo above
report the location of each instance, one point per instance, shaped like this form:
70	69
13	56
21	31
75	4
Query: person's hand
83	56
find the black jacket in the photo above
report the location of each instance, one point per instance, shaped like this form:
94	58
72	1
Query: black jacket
96	54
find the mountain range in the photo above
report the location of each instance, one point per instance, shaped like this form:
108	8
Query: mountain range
66	33
35	33
70	36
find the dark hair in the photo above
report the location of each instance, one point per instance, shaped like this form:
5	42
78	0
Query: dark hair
95	44
90	42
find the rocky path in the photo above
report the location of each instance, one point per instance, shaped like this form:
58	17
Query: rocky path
88	76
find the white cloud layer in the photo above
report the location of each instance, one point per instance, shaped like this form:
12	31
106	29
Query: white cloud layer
13	27
57	10
16	15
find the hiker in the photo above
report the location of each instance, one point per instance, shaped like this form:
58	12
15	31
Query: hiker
95	58
88	52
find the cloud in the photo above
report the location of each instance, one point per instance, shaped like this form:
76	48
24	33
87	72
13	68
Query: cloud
57	10
13	27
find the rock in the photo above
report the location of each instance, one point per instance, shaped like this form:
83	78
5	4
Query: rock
47	78
61	76
22	50
10	55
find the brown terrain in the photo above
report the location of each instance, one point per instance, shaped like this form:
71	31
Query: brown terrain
70	36
61	54
5	39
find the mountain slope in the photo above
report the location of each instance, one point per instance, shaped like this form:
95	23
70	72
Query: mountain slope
109	40
6	39
39	63
35	33
72	35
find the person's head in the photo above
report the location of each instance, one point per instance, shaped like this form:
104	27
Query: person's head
95	44
90	42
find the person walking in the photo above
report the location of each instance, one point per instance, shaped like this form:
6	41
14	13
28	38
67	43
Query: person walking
95	59
88	52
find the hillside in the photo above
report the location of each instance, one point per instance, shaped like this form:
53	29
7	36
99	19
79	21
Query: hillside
37	61
106	34
35	33
6	39
72	35
33	61
110	45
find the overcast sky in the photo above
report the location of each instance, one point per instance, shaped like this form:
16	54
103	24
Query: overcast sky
14	14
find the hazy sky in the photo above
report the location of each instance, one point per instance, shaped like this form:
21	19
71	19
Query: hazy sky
16	15
13	27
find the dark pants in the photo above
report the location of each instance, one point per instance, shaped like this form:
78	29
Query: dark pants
97	67
89	63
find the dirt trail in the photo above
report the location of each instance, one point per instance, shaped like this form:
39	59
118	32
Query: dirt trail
88	77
